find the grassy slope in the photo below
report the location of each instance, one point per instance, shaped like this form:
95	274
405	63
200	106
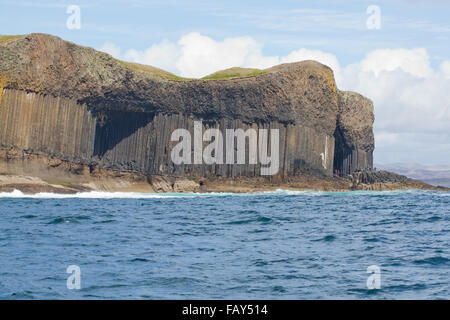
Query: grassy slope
234	73
152	71
223	74
4	38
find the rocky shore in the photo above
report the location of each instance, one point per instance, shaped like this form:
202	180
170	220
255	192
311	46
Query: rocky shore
368	180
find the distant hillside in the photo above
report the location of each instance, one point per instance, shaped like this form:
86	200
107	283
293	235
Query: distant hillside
435	175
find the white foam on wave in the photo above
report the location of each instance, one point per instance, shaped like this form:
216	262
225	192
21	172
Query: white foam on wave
106	195
441	193
340	193
294	192
137	195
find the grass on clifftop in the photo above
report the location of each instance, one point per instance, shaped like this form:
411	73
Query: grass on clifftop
4	38
152	70
223	74
234	73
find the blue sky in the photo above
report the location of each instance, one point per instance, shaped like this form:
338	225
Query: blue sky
334	26
404	67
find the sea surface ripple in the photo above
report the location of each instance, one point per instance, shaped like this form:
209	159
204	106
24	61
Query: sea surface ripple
274	245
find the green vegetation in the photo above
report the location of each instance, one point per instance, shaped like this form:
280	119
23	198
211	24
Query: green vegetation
152	71
223	74
234	73
4	38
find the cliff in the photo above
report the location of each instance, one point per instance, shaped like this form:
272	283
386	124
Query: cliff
354	139
64	103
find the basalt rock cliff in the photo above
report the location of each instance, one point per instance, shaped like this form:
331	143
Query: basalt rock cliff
64	103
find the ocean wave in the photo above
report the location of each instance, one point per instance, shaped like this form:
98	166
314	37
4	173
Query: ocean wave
294	192
137	195
436	260
106	195
344	193
441	193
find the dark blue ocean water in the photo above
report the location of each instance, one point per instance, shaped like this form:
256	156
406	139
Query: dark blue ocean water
281	245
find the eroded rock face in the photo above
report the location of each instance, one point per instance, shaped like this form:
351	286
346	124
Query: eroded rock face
81	105
385	180
172	184
354	139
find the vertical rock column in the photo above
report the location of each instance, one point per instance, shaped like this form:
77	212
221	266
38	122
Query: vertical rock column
44	124
141	142
354	140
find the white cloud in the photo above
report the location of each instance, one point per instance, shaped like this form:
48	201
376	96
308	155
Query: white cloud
201	55
407	96
162	55
111	48
196	55
445	68
415	62
411	99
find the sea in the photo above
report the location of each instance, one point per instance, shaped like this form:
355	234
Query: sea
270	245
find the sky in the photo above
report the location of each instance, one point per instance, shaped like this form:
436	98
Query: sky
395	52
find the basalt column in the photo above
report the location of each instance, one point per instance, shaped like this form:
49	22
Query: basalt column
354	140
